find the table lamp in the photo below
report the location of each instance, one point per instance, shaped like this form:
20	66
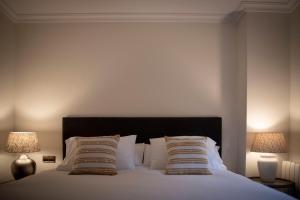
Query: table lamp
22	142
268	142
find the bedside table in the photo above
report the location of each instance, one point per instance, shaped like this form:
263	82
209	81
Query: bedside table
280	184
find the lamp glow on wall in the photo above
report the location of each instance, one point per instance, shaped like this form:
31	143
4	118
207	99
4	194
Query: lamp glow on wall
22	142
268	142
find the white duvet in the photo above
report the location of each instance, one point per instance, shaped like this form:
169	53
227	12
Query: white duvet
141	184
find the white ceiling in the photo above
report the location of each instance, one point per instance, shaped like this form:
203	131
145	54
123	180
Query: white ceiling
22	11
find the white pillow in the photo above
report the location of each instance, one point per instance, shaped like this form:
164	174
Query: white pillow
215	160
159	153
125	153
139	153
68	161
147	155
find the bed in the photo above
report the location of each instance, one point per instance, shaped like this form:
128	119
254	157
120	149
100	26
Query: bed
140	183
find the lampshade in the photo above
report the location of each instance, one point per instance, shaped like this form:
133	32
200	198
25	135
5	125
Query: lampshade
22	142
270	142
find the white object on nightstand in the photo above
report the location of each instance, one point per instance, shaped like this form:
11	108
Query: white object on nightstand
267	167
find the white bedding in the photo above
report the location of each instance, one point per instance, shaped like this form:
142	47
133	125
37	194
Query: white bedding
141	183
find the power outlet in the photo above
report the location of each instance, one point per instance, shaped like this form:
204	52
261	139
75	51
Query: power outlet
49	159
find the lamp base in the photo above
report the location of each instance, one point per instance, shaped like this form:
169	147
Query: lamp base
267	167
22	167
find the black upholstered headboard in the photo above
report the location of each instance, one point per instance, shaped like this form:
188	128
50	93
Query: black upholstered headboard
143	127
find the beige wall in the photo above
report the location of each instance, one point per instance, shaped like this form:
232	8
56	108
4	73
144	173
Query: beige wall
295	85
125	69
267	78
7	45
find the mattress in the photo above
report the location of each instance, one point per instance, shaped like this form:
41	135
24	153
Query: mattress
140	183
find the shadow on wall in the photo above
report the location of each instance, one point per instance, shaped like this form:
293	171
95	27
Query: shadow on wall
295	138
6	125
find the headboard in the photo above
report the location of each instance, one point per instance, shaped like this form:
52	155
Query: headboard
143	127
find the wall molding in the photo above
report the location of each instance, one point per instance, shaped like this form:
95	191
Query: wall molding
178	16
273	6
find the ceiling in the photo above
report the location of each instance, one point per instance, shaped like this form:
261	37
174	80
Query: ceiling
29	11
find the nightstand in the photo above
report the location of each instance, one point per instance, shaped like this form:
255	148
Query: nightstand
280	184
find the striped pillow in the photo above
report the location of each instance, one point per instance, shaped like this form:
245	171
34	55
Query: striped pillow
96	156
187	156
